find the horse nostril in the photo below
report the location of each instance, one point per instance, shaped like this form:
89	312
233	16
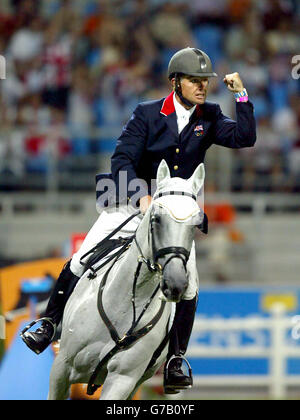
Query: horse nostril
173	294
166	293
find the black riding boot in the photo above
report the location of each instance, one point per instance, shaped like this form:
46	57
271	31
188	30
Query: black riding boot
39	340
174	378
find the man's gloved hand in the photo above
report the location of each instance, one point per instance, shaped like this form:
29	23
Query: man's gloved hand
234	82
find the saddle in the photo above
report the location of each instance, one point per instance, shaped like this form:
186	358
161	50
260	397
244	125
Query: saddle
103	249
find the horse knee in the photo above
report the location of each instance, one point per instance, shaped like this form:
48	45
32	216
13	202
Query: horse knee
122	372
114	366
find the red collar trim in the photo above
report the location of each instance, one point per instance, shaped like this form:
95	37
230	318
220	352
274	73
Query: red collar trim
168	106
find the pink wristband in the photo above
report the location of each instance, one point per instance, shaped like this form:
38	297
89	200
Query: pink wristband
242	99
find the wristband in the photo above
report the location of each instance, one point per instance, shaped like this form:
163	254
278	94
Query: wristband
241	96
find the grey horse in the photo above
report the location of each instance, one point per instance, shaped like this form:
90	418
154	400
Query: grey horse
161	249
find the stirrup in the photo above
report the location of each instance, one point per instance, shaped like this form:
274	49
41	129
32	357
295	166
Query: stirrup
49	320
169	389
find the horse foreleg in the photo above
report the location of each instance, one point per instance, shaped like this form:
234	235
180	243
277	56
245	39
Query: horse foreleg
119	384
117	387
59	379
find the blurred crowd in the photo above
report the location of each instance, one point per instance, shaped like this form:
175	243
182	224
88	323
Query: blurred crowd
75	70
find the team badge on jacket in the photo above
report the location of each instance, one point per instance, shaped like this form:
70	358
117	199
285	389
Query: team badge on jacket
198	130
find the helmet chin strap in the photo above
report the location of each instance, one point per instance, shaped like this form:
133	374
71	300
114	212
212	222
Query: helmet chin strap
178	91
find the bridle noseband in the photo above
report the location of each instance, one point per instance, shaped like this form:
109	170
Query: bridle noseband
177	251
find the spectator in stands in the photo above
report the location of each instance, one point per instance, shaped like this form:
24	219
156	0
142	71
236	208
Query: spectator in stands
273	11
268	149
247	35
255	72
57	58
80	111
25	11
283	39
170	29
26	43
238	9
207	11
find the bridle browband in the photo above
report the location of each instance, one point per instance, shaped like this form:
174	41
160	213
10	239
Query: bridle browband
161	194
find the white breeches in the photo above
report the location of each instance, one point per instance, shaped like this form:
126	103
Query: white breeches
110	220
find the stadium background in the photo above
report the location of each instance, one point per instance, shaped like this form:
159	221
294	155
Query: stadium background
75	70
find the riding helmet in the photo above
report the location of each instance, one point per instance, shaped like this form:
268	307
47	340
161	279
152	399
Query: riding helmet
192	62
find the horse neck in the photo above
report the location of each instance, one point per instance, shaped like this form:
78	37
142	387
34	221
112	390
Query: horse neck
119	293
142	237
130	261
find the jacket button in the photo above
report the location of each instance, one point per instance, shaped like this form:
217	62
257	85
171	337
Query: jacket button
177	150
175	168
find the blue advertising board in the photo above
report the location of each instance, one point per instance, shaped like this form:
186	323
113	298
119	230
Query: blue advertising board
238	302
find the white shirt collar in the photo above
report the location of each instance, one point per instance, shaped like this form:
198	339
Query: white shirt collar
183	115
181	111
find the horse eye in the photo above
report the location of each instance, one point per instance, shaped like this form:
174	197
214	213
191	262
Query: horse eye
197	219
155	218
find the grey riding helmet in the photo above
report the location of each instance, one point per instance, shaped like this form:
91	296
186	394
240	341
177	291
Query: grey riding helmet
192	62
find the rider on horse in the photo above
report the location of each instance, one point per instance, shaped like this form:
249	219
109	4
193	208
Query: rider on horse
179	129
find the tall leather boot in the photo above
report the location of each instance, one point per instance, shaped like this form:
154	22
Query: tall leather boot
39	340
174	378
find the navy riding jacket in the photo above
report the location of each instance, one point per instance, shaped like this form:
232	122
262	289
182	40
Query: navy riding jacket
152	135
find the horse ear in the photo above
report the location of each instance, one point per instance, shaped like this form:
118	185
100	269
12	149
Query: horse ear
197	179
163	172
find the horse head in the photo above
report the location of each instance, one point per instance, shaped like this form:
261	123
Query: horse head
174	214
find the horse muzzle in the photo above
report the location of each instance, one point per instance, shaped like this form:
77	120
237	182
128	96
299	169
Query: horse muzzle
174	280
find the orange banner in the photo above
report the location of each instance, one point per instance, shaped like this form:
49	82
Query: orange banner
11	280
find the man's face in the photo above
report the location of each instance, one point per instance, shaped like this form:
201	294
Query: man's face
194	89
